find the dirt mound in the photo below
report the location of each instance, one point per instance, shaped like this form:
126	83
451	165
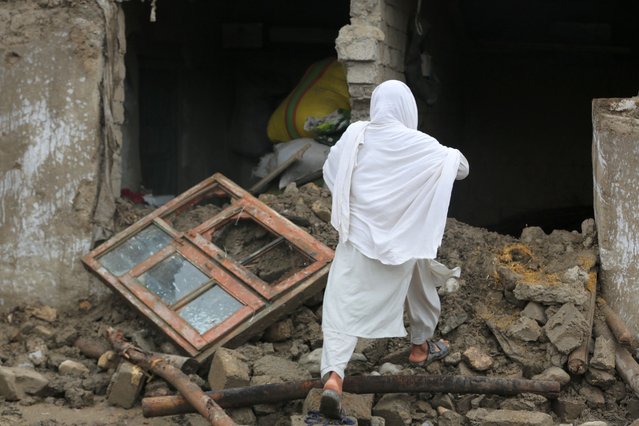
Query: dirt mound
518	311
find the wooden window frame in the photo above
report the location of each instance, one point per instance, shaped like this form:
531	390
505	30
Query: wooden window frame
262	301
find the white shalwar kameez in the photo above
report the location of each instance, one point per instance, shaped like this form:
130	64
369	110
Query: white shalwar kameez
391	187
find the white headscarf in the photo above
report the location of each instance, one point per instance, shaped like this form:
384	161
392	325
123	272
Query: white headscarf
391	183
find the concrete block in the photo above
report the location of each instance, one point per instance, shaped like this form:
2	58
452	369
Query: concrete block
594	396
279	369
512	418
395	409
356	406
322	209
570	291
279	332
526	402
243	416
363	72
477	359
367	11
615	156
29	381
228	370
72	368
554	374
126	384
534	310
373	349
567	328
378	421
525	329
450	418
603	356
359	43
311	361
8	388
568	408
600	378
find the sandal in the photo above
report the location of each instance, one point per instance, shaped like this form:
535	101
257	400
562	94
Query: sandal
331	404
436	350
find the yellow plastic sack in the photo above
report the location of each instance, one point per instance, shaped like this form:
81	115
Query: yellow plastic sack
321	91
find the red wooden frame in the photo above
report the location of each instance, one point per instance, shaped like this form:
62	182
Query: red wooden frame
195	246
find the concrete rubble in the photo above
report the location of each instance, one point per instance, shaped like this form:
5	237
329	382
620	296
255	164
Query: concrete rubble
519	312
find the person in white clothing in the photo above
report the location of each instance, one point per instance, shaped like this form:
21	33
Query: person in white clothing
391	186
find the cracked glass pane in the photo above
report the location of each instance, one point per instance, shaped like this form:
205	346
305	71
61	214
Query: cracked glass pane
136	249
173	278
210	309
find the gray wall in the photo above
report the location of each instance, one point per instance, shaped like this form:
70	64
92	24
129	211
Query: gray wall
56	158
615	157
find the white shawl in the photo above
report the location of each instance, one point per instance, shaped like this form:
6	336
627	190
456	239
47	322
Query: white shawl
391	183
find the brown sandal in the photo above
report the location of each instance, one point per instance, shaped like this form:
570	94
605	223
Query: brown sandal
436	350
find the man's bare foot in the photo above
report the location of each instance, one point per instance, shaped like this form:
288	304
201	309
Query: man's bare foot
419	353
334	383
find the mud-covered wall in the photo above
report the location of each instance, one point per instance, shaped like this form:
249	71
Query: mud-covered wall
372	48
60	107
615	158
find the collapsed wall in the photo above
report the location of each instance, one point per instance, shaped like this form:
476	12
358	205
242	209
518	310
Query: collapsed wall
615	157
61	83
372	48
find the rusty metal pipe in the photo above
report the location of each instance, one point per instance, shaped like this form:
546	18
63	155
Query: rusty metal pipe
280	392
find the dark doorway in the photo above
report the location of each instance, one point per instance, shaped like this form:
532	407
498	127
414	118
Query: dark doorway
204	78
517	81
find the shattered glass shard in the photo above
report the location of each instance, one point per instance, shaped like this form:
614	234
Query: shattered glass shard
173	278
210	309
136	249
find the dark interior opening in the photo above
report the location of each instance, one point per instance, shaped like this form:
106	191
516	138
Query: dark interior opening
516	84
204	78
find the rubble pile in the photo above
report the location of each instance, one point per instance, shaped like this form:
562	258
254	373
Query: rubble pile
520	310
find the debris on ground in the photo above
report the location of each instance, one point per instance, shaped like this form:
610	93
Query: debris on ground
521	309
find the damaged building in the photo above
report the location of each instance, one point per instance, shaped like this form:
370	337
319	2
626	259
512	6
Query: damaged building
101	98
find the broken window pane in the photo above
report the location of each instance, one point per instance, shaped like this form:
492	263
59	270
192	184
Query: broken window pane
193	214
173	278
210	309
268	256
193	217
241	238
281	262
135	250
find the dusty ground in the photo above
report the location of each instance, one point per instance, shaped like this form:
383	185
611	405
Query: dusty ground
484	306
